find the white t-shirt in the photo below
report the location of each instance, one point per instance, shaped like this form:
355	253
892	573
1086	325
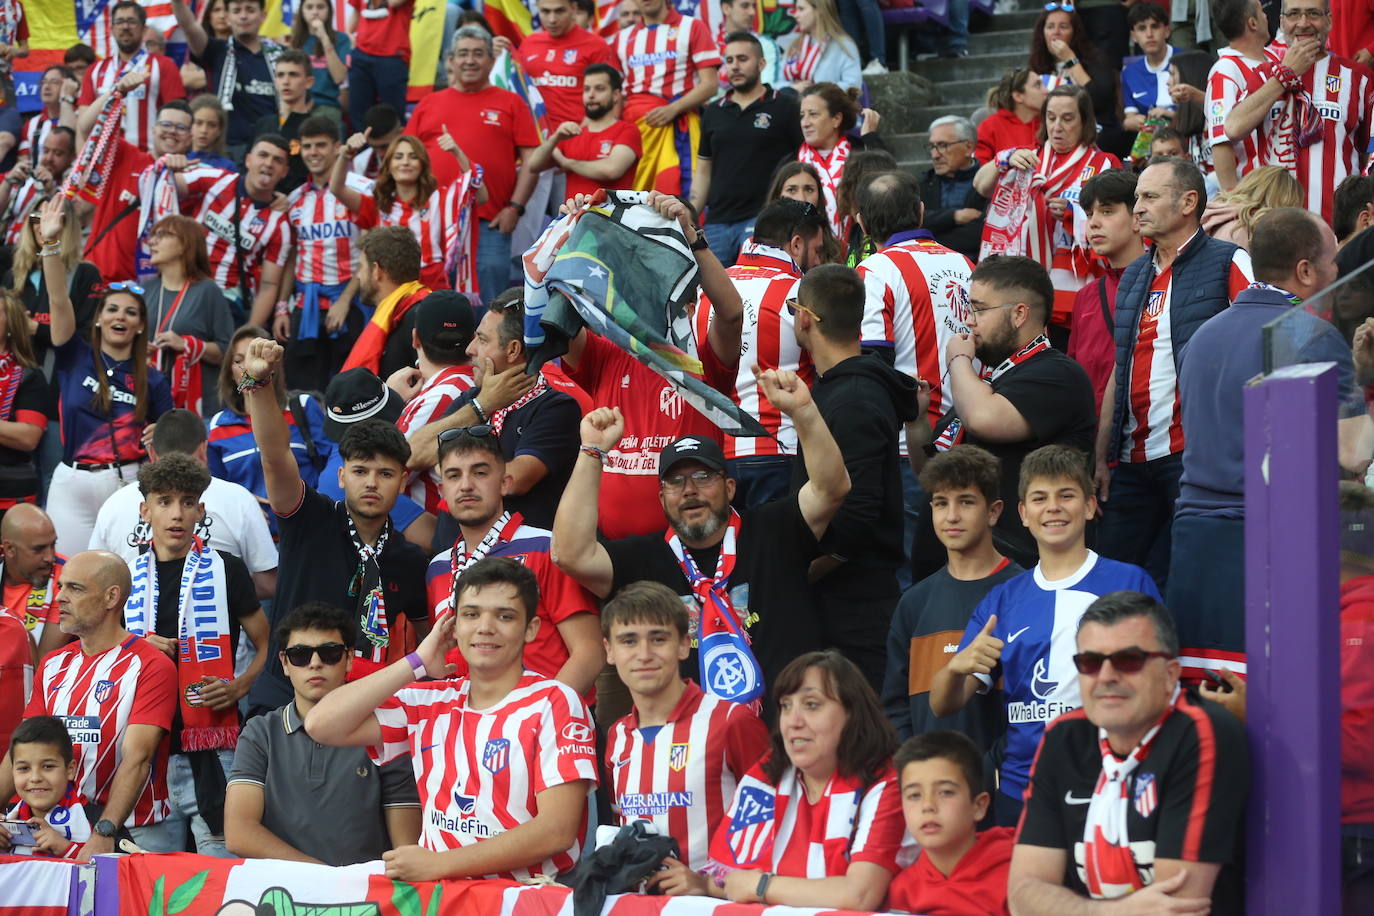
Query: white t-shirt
233	523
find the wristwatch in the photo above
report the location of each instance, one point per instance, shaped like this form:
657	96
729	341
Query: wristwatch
105	828
700	244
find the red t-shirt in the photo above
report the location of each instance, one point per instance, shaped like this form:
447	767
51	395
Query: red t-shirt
556	66
491	124
588	145
387	35
654	416
114	254
976	887
1004	130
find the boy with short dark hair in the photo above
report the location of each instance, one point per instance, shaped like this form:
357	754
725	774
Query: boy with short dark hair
1145	81
958	872
1023	632
676	758
1168	141
962	485
44	779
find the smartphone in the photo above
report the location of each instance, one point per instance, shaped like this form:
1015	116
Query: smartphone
21	834
1218	682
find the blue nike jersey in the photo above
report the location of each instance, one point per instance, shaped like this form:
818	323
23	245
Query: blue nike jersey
1037	620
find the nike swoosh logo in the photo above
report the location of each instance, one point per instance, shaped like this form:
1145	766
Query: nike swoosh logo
427	747
1071	799
1012	637
620	763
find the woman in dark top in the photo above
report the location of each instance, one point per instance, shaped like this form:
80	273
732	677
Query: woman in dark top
26	280
109	397
26	405
1061	52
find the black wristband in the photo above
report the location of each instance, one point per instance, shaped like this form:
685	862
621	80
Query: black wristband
518	208
700	244
762	888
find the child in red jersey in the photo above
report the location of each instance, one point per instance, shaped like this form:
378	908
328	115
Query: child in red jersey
959	871
44	774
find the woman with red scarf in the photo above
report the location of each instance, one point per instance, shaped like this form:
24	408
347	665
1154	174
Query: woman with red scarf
817	822
1034	207
189	319
827	114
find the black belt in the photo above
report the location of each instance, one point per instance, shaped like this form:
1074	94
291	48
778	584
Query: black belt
87	466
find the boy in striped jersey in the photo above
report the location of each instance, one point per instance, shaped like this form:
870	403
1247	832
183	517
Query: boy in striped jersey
676	758
504	759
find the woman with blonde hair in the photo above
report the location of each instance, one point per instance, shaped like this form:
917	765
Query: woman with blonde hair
27	281
1231	215
26	405
822	52
407	193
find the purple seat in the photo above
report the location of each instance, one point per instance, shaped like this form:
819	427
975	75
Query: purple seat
902	21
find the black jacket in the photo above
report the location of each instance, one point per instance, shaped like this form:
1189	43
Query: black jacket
865	401
939	220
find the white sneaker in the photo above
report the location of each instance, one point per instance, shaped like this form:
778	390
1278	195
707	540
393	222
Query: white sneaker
874	68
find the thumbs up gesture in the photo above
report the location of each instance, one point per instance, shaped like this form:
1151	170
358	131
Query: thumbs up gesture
981	655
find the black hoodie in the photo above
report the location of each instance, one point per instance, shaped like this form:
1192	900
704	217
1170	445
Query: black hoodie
865	402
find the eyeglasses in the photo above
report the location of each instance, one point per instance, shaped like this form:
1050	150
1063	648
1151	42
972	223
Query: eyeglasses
1063	7
480	431
974	313
699	479
1125	661
330	653
130	21
1310	15
793	305
125	287
176	126
941	148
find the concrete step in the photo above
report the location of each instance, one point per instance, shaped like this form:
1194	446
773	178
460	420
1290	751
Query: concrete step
987	68
969	93
926	115
1001	41
907	147
1021	19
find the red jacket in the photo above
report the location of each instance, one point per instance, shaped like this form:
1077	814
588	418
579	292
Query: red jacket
1357	701
976	887
1091	344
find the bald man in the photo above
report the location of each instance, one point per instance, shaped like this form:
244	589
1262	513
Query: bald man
31	567
114	691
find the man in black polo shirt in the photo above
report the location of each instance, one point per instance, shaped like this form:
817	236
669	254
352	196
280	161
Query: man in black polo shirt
757	564
342	553
1161	833
1037	395
744	136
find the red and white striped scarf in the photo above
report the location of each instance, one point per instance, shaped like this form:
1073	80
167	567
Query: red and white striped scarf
184	375
953	434
11	375
90	176
801	60
831	168
1019	221
1109	867
498	417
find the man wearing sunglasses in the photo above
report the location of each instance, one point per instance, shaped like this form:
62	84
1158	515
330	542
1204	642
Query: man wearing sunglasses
283	778
1139	796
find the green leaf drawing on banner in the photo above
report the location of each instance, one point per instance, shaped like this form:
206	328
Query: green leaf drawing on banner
405	898
434	900
185	895
155	905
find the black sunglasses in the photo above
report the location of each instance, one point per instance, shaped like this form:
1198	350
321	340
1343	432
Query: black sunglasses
1126	661
481	431
331	653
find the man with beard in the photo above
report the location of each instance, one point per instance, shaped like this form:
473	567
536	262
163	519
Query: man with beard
30	572
388	278
1036	396
127	21
745	134
754	565
25	188
600	151
557	57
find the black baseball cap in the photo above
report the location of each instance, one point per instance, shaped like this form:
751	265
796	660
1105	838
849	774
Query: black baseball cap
358	395
444	320
691	448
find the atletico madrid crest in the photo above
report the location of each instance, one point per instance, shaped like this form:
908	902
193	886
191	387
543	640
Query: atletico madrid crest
496	755
1146	798
1333	84
677	757
102	690
1156	303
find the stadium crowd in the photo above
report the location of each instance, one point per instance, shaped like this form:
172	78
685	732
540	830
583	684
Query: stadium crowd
296	517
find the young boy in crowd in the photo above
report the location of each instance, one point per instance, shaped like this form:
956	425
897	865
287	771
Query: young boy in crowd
958	872
1168	141
962	484
44	774
676	758
1145	81
1023	632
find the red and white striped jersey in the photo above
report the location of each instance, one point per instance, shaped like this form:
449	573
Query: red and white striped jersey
661	61
1154	416
326	233
141	105
22	201
429	404
437	224
766	277
99	697
480	772
830	167
215	197
1232	78
1343	92
682	775
366	164
917	299
35	132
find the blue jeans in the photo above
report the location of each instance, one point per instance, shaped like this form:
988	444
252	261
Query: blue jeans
726	239
493	261
185	809
373	80
914	502
1139	514
956	36
760	479
863	20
